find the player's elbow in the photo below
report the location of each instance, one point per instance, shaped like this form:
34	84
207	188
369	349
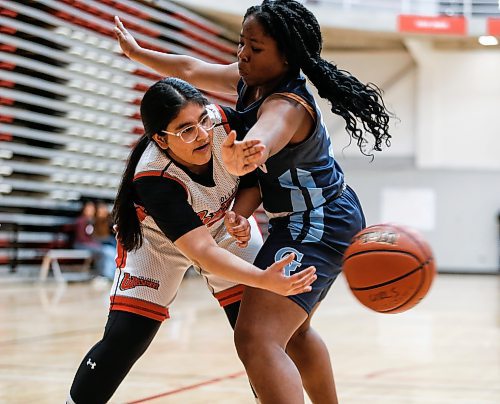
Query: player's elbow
189	69
206	255
201	253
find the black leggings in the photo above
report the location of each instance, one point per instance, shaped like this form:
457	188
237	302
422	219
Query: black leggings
126	337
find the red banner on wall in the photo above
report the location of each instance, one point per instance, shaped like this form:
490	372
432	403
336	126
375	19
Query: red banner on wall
432	25
493	26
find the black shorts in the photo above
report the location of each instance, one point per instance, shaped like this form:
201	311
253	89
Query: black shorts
318	237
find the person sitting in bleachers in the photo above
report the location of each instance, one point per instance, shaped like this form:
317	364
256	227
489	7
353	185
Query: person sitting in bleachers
85	239
103	227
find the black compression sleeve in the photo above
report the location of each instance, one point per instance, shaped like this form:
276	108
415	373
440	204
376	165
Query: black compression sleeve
126	338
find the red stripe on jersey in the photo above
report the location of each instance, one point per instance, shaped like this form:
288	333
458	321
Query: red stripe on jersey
157	173
140	307
230	295
152	173
121	256
224	119
141	212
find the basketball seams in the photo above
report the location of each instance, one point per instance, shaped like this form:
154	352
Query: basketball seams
417	290
384	251
379	285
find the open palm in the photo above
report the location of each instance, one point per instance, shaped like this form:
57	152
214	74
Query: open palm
126	41
242	157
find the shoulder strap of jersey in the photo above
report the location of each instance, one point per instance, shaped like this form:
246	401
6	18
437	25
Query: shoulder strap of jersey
297	98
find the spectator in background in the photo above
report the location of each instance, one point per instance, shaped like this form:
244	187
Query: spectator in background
103	227
85	239
84	227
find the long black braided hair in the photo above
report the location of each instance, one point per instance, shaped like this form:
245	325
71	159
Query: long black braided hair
298	36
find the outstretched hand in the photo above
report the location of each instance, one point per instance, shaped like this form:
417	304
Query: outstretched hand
242	157
276	281
238	227
126	41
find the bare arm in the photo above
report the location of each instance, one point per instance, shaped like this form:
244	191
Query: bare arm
235	220
281	121
246	201
207	76
200	247
293	126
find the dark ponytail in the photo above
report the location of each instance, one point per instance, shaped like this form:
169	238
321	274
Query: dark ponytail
298	36
161	104
124	214
352	100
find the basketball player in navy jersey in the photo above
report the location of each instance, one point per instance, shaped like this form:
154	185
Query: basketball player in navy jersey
313	213
170	212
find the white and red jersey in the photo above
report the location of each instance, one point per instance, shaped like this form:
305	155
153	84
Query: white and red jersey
179	201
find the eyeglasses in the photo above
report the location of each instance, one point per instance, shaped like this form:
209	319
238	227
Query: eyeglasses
190	133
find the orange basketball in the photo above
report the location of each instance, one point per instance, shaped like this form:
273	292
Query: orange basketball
389	268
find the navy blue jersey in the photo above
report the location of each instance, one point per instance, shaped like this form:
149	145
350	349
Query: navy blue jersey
312	212
302	176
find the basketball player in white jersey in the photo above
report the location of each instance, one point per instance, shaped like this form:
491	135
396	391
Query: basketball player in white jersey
169	212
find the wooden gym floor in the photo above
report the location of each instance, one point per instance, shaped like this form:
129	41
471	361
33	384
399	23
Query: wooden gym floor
446	350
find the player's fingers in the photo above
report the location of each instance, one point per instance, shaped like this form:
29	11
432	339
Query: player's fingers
254	158
241	228
121	39
231	217
242	244
229	140
252	146
248	144
284	261
307	281
241	237
252	151
307	273
303	281
248	168
238	219
304	284
118	23
302	289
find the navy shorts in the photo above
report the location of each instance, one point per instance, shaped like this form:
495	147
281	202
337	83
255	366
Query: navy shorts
318	237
